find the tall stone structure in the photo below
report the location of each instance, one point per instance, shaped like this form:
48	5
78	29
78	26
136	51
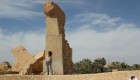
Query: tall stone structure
55	40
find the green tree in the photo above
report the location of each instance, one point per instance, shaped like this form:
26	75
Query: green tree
136	66
121	66
100	61
98	65
116	65
125	66
84	66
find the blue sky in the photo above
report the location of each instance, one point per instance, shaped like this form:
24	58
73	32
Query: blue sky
94	28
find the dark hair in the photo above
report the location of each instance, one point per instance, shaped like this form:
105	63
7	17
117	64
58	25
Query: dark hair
132	77
50	53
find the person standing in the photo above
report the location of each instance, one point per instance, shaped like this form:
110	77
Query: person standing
49	63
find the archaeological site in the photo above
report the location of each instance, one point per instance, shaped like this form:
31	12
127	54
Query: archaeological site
29	67
55	42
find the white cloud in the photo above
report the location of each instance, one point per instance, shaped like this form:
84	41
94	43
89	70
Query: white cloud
18	9
34	42
74	2
120	43
27	9
96	20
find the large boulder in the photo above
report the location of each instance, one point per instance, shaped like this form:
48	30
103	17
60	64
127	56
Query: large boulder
4	67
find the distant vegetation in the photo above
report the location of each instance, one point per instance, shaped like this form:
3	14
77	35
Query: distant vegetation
100	65
86	66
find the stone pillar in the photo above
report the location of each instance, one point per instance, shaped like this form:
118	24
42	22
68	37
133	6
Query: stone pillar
55	38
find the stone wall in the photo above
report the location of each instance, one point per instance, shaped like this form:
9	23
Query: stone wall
55	40
121	75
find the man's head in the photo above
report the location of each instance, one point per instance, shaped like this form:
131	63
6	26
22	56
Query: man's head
50	53
132	77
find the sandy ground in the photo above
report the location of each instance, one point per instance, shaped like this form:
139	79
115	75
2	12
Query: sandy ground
120	75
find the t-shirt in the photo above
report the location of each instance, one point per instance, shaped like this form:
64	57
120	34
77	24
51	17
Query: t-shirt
49	58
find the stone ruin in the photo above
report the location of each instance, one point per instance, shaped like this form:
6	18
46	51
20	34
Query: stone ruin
55	39
26	63
55	42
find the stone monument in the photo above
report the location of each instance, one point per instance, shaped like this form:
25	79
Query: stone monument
27	64
55	40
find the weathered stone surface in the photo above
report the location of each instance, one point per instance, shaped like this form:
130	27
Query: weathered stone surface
22	55
37	67
55	19
121	75
68	69
40	56
16	67
32	65
24	60
4	67
55	40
